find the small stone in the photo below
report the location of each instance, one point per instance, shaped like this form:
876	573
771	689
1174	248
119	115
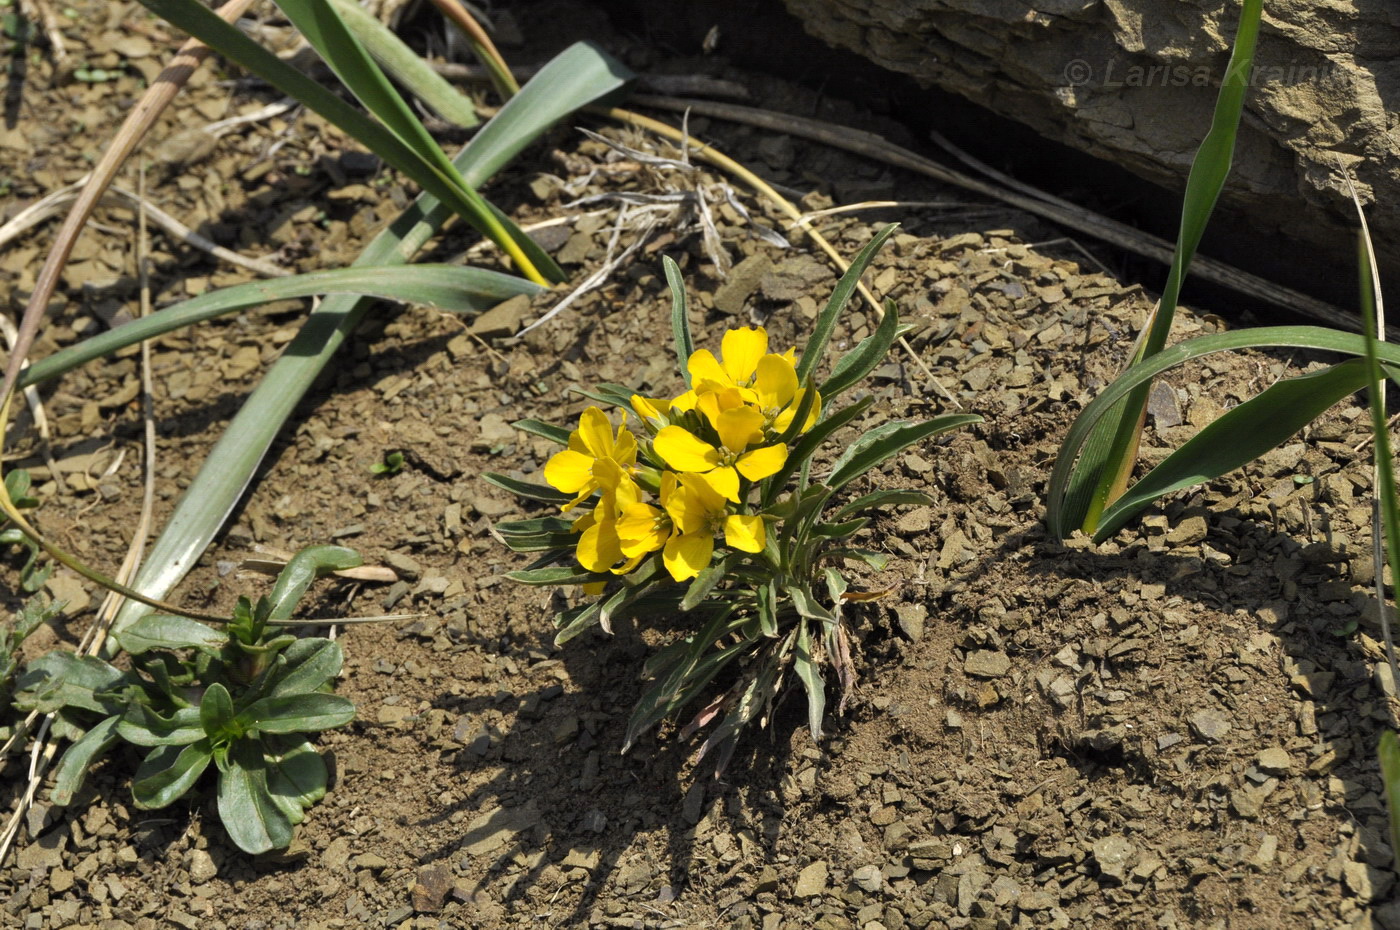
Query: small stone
1247	803
504	319
202	867
45	853
337	854
987	663
811	881
767	880
1209	725
1036	901
406	566
494	433
1367	882
429	892
868	878
731	296
1275	761
911	620
1112	854
1189	531
372	861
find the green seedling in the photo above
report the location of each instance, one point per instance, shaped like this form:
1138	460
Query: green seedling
392	465
241	699
710	509
32	574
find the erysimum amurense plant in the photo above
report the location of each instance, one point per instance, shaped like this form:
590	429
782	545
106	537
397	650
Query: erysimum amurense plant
706	505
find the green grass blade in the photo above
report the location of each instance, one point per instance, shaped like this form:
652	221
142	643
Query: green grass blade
826	320
1239	436
1266	337
1107	461
544	430
225	475
537	492
407	67
1389	751
680	316
453	288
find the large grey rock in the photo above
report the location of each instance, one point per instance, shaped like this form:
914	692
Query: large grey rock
1134	81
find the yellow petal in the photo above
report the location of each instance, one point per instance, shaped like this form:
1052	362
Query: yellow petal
725	482
710	490
681	450
569	471
642	529
760	463
685	402
625	449
685	556
598	548
704	367
596	433
741	350
775	383
745	533
647	408
739	428
607	473
783	420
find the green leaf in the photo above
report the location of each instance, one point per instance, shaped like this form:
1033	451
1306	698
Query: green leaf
311	664
1389	752
689	666
535	526
544	430
1239	436
886	441
542	542
826	320
444	287
563	574
296	776
254	820
168	772
808	606
876	560
407	67
680	317
840	530
852	367
882	499
305	567
609	394
527	489
163	631
768	609
1107	458
297	713
808	445
704	582
61	679
578	76
216	712
142	726
72	769
1058	516
576	620
807	671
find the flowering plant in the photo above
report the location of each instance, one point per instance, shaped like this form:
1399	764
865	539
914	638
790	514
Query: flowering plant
708	504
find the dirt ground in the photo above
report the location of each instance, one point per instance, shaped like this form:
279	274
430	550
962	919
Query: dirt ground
1175	729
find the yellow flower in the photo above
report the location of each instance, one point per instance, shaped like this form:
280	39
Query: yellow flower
573	471
698	510
642	528
738	428
599	549
778	396
741	350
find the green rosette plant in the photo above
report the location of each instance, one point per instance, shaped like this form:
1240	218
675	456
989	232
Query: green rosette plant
709	507
241	698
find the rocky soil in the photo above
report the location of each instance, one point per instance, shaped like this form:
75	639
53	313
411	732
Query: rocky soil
1174	729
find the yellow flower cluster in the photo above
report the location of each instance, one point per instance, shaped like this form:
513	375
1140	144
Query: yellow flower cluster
705	448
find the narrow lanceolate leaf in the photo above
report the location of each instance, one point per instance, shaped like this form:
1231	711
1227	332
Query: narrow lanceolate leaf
1265	337
216	710
882	499
315	668
443	287
807	446
563	574
681	671
811	677
576	77
304	568
1238	437
809	607
852	367
1108	460
407	67
179	768
1389	751
544	430
72	769
826	320
144	727
704	582
888	440
162	631
680	316
527	489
